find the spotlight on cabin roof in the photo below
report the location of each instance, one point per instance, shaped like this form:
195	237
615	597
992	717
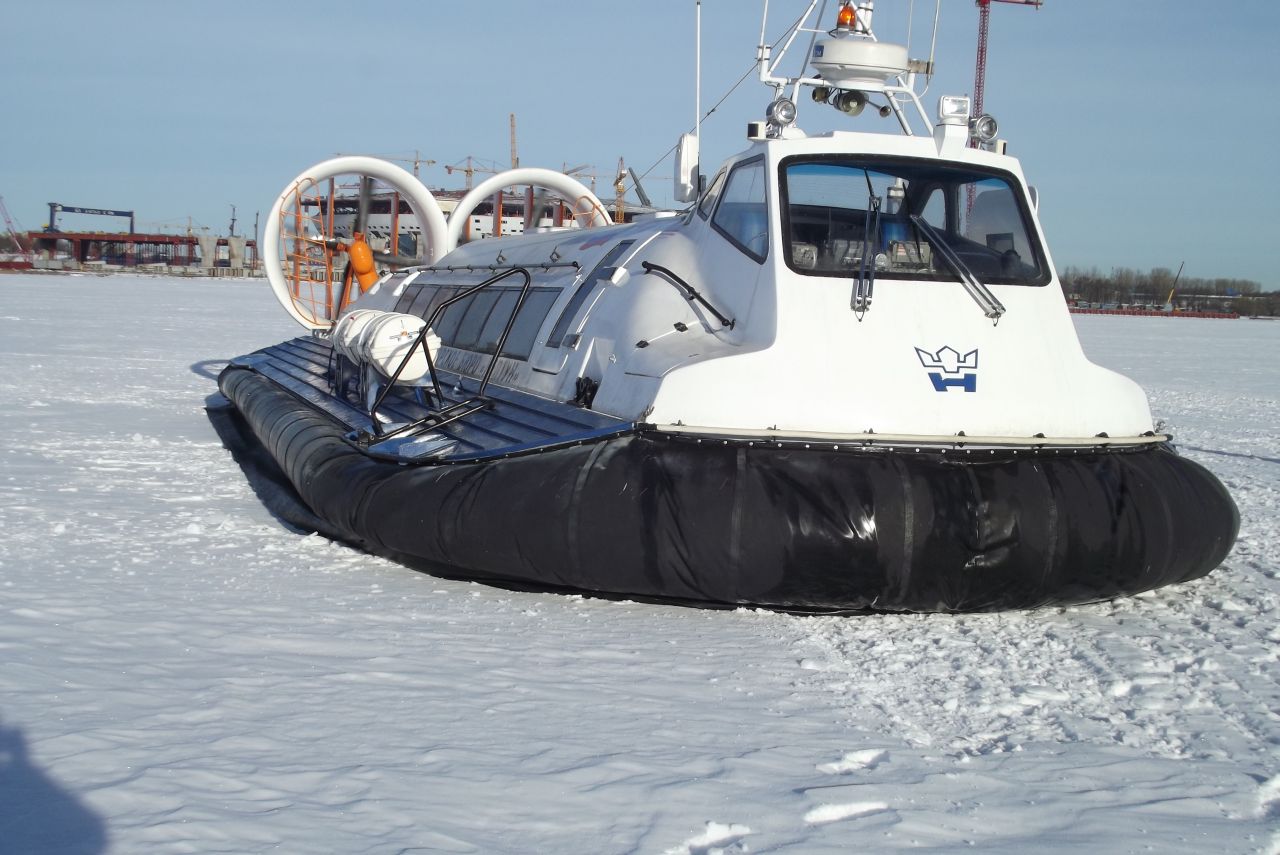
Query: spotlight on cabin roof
953	110
983	128
781	112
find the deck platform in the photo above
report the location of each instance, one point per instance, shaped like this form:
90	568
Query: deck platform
511	422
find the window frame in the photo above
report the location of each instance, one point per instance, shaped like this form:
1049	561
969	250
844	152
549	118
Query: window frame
709	199
750	162
951	194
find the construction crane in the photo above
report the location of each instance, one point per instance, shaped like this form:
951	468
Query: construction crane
417	160
471	169
984	25
580	171
515	158
11	230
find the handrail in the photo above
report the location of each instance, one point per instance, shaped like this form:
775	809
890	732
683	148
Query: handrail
541	265
421	341
690	292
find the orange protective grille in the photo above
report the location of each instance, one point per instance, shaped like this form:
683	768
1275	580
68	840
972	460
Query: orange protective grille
306	223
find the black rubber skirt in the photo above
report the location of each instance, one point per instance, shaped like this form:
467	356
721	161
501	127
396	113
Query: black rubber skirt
650	516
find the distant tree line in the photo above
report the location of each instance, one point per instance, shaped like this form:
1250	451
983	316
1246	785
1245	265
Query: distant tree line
1124	286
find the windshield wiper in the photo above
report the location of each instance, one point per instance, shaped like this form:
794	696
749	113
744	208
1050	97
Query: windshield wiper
866	281
981	294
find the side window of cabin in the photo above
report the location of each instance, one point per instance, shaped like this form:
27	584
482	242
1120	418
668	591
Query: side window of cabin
994	221
406	299
477	322
529	320
742	215
708	202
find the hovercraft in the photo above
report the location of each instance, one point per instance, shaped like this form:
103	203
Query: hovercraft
843	378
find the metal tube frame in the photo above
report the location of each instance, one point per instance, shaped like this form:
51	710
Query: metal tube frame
443	415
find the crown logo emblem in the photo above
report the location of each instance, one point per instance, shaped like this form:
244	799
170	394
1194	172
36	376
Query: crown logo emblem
951	369
948	359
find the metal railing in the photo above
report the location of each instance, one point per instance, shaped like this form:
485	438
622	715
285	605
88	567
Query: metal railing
438	414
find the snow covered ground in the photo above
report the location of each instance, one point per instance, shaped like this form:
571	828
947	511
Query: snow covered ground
180	673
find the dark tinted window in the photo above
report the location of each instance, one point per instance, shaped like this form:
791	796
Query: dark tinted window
477	324
441	294
498	317
534	311
478	308
406	299
421	299
448	323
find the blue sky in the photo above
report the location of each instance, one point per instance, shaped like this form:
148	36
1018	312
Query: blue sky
1149	126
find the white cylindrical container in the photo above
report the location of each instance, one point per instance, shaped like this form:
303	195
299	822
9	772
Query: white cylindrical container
347	332
386	339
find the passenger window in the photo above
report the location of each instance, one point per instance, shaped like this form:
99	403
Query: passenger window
443	293
743	216
424	295
487	342
529	320
451	318
480	305
406	299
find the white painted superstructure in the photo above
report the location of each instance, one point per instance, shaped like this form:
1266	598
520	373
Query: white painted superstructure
845	377
834	297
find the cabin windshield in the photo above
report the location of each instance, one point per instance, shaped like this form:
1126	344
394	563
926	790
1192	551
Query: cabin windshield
838	209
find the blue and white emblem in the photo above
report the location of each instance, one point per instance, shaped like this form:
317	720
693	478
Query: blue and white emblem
952	369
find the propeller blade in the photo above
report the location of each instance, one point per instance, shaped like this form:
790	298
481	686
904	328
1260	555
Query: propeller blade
344	296
328	243
362	212
541	201
395	260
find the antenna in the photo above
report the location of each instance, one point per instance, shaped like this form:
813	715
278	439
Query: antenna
697	69
688	175
515	157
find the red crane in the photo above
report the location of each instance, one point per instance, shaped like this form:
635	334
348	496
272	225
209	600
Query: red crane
984	24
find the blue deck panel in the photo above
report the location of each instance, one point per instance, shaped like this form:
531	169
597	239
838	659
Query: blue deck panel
512	423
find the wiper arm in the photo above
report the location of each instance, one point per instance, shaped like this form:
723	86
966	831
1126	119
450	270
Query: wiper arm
981	294
866	281
865	284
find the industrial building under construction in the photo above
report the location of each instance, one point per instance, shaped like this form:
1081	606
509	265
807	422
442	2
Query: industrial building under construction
196	254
